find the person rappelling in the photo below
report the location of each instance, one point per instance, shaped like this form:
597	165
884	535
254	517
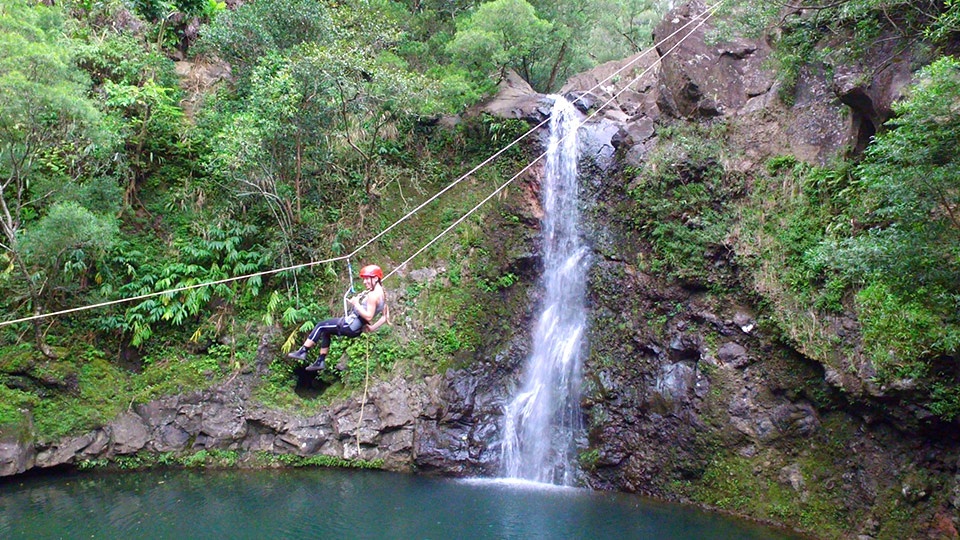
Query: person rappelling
364	308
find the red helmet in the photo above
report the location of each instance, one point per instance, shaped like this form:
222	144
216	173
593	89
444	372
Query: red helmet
371	270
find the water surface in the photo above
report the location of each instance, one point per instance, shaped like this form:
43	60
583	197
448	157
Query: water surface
342	504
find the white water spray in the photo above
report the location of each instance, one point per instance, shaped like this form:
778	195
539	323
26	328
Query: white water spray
543	420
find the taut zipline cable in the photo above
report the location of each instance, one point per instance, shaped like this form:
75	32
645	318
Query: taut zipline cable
705	15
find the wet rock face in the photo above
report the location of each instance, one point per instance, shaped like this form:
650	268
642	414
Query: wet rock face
516	99
383	430
225	418
816	127
678	382
458	433
17	451
679	378
699	79
870	92
447	424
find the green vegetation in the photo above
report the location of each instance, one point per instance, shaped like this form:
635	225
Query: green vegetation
878	236
113	189
872	237
908	183
797	491
499	35
224	459
588	459
906	254
83	390
731	483
683	203
330	127
49	143
783	226
545	41
288	460
822	35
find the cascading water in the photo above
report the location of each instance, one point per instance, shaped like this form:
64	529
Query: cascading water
543	420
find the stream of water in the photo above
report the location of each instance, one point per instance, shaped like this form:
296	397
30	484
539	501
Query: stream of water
543	421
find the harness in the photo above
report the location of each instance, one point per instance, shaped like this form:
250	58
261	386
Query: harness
354	321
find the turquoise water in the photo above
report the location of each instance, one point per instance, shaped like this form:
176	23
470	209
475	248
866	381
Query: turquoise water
342	504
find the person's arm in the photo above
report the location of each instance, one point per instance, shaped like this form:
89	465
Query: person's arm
367	311
384	318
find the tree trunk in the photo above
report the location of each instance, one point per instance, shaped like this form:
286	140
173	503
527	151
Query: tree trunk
298	177
37	305
10	227
556	67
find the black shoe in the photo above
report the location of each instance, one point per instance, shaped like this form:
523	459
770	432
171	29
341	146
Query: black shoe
299	354
317	366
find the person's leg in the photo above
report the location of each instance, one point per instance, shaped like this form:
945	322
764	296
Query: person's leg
339	330
320	333
320	363
324	347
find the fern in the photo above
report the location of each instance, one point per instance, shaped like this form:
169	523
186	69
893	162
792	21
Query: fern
221	253
290	342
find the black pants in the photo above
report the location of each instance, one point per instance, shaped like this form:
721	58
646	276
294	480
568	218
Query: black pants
332	327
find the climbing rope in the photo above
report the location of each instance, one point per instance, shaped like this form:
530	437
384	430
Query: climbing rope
350	290
701	17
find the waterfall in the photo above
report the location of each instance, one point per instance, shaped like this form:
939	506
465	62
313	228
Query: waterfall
543	419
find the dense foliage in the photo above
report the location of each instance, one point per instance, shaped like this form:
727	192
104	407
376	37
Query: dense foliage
906	249
128	170
873	237
885	228
123	178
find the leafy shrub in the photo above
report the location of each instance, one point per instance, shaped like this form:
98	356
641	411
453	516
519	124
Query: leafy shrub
682	201
945	400
905	248
220	253
67	241
244	35
911	228
498	35
900	333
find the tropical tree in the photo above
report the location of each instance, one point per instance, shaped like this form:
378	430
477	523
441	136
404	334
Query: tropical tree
246	34
311	116
151	123
564	52
623	27
546	41
501	35
48	132
64	243
138	90
448	8
306	108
